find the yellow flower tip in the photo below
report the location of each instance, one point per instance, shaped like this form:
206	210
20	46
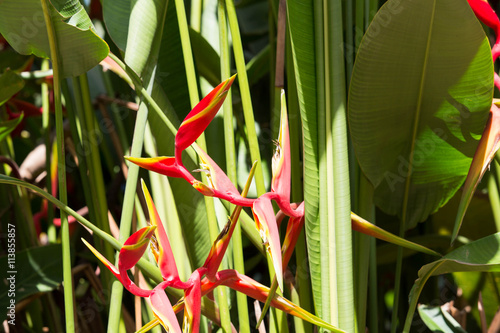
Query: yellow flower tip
203	189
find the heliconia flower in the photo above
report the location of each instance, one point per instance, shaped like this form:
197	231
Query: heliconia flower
281	167
292	234
128	260
198	119
219	184
192	300
246	285
220	245
134	247
162	309
488	146
165	259
265	222
163	165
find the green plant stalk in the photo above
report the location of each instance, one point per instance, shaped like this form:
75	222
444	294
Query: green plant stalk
117	122
245	95
75	115
324	310
194	99
302	278
66	254
359	24
239	260
96	178
348	45
494	193
37	74
195	18
302	27
371	10
362	253
343	233
373	319
51	228
329	171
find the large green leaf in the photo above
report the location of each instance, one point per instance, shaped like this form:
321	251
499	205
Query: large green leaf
482	255
81	49
420	94
116	15
35	270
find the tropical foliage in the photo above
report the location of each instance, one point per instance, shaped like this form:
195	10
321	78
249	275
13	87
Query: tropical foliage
329	178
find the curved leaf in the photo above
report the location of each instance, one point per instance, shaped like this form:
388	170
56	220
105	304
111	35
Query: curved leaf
420	94
27	34
116	14
482	255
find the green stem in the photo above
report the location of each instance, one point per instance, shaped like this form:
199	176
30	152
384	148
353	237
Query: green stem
327	267
302	278
66	254
94	168
37	74
373	319
51	229
245	95
343	237
494	193
117	121
239	260
362	253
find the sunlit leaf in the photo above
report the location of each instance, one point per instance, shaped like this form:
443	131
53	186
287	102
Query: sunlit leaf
81	49
420	93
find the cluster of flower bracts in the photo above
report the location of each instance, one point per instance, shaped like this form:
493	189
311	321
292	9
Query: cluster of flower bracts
206	278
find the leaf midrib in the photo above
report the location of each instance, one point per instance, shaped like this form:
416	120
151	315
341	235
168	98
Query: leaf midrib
416	121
